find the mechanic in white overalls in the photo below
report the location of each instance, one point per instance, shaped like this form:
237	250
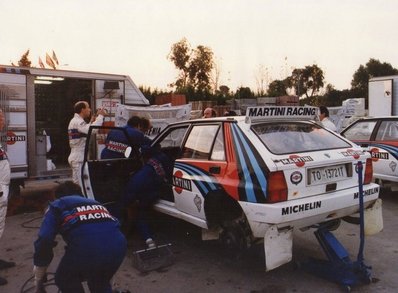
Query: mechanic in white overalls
77	132
4	188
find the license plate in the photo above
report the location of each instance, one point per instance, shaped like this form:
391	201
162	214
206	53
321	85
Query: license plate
326	174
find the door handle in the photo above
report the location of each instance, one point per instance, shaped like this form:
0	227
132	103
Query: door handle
215	170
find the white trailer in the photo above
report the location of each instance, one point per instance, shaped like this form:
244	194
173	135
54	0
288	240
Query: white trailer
38	105
383	96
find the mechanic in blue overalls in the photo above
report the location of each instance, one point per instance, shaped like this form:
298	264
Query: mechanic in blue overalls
144	187
116	141
95	247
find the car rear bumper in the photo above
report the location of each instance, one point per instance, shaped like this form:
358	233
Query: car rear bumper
308	211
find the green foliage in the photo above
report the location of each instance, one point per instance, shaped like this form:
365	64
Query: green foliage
307	80
277	88
194	67
373	68
244	93
24	61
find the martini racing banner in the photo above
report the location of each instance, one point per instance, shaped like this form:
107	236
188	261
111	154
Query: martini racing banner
285	112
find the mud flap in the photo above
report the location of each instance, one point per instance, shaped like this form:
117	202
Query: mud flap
277	247
374	218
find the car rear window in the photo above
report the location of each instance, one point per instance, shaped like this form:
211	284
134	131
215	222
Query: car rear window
296	137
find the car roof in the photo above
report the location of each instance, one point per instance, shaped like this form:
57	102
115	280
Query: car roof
378	118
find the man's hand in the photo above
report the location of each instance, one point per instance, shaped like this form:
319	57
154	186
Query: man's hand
40	277
102	111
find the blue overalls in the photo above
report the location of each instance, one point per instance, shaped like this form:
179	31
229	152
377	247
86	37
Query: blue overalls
116	142
144	186
95	247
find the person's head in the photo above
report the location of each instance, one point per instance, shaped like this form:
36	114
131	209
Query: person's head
2	120
67	188
145	124
134	121
209	112
83	109
323	112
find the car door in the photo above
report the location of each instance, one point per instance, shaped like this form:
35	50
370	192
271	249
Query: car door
105	179
200	168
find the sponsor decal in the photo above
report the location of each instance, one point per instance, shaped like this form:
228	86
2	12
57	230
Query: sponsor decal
301	208
116	146
198	202
393	166
367	192
295	159
180	183
352	153
12	138
296	177
87	213
376	155
281	111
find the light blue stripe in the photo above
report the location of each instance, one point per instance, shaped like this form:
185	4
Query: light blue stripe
393	150
257	169
199	183
248	181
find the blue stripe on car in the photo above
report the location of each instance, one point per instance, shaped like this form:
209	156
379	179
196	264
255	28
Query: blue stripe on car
391	149
204	185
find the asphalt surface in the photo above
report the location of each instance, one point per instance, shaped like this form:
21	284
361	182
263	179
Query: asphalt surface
205	267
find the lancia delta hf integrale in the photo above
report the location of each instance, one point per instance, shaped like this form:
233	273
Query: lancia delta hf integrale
247	178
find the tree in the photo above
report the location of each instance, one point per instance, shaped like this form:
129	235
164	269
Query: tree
262	80
195	66
180	55
373	68
200	67
277	88
24	61
308	80
244	93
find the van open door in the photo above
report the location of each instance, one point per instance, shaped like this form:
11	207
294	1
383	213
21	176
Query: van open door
104	179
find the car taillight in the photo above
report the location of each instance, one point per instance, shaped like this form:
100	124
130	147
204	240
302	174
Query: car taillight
277	187
368	172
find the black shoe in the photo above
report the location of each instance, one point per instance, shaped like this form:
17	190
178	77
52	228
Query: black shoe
6	264
2	281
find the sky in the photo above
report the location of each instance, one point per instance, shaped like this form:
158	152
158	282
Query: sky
246	36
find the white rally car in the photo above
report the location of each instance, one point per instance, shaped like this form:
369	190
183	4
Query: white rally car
246	178
379	136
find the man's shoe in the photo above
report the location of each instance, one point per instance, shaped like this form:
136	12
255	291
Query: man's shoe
150	243
6	264
2	281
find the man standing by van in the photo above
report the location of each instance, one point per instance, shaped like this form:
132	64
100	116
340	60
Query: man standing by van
4	188
77	132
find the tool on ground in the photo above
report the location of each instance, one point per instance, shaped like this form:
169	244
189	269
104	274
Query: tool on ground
339	268
155	258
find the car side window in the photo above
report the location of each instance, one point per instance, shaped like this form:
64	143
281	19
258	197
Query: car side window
218	153
200	141
388	130
173	138
360	131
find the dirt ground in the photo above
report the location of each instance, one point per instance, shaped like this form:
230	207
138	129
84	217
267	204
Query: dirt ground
205	267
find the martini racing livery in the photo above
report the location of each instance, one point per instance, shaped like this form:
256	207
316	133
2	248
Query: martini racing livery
249	178
379	136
